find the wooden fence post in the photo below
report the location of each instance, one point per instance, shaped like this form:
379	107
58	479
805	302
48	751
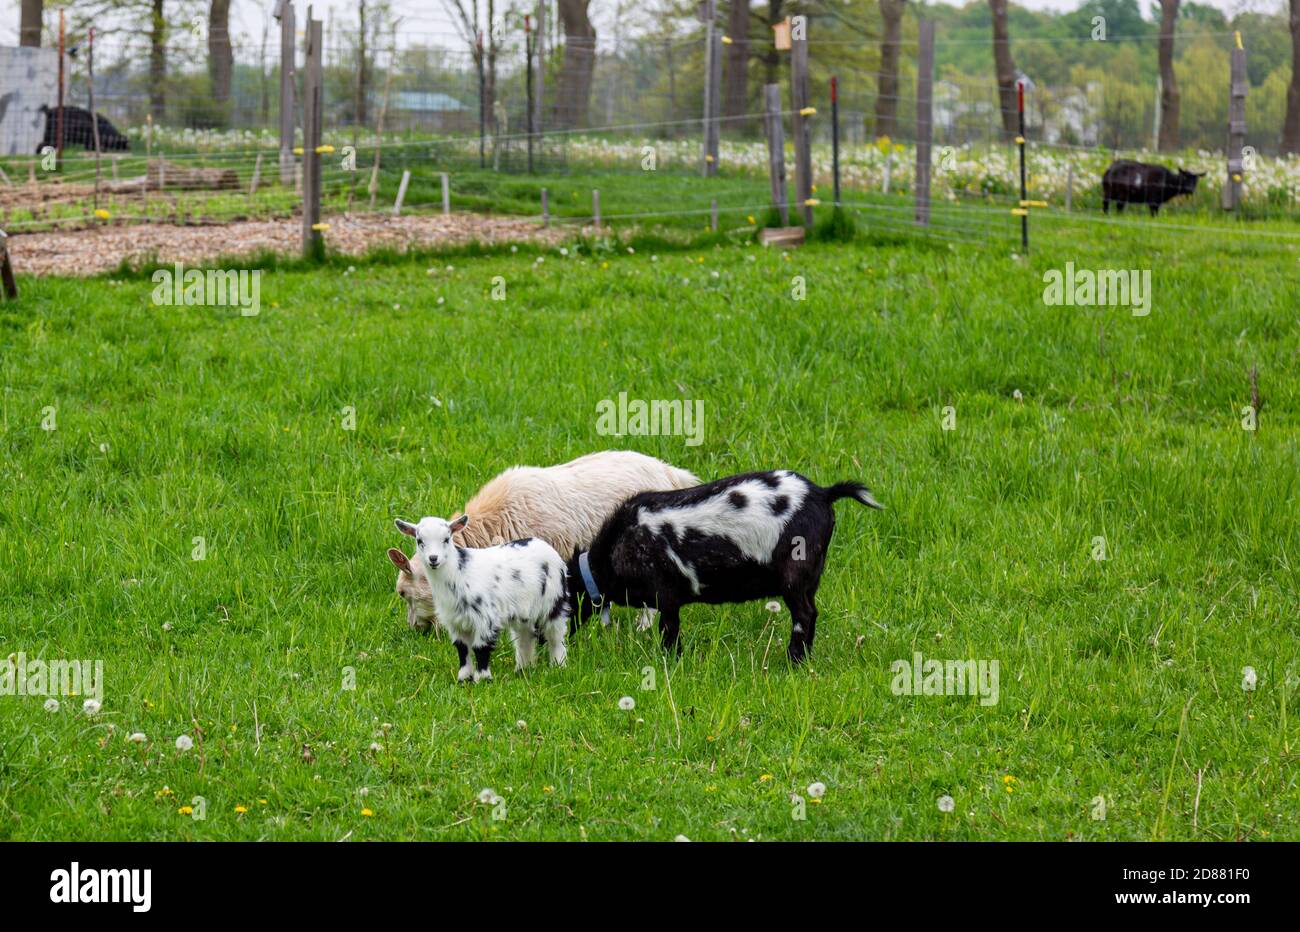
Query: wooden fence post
546	209
1236	126
313	243
1069	186
712	88
713	215
539	81
284	13
595	207
776	150
257	176
94	121
446	195
924	118
7	283
401	193
799	122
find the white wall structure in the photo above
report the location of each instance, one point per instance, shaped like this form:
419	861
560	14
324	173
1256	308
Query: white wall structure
29	77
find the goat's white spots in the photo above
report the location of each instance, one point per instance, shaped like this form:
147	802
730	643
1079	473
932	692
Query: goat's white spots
754	527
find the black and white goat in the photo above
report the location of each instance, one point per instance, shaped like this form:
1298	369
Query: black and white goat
478	591
745	537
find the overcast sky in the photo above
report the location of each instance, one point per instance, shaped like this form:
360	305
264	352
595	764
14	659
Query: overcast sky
422	20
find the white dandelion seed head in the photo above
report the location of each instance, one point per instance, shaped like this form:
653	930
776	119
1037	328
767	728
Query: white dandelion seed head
521	724
715	274
627	703
514	248
1248	679
167	626
137	737
440	300
91	706
184	743
816	790
681	838
946	804
563	251
376	747
773	607
51	705
103	448
1016	395
654	258
488	796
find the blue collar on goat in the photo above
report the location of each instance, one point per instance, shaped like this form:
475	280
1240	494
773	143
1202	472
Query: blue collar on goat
593	591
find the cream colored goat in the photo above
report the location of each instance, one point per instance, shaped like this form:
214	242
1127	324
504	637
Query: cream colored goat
564	505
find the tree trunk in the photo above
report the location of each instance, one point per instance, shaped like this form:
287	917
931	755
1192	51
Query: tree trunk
1004	67
891	11
1168	140
221	59
735	81
490	77
363	89
29	28
157	62
1291	128
578	66
772	60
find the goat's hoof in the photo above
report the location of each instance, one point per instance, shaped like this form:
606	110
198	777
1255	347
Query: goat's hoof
481	675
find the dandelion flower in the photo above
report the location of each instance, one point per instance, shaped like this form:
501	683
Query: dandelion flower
367	812
946	804
773	607
488	796
185	810
764	777
137	737
816	790
376	747
241	809
521	724
184	743
1248	679
51	705
627	703
91	706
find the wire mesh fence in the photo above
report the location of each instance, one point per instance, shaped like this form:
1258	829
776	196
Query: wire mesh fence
512	113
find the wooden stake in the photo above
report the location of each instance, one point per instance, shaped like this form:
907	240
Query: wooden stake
595	207
257	176
1236	126
713	215
401	193
775	128
924	118
546	209
802	126
446	195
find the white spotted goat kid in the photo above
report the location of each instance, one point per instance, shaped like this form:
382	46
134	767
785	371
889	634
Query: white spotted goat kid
478	592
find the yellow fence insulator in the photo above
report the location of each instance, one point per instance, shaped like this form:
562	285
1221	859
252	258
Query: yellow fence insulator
1020	211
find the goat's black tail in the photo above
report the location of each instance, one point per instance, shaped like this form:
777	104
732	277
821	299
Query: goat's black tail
854	490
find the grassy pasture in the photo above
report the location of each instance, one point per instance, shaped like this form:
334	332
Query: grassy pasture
1119	678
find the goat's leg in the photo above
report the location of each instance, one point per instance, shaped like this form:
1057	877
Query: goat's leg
525	647
556	630
466	670
669	625
803	611
482	657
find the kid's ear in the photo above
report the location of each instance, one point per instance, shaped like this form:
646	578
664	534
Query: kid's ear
459	523
405	527
399	560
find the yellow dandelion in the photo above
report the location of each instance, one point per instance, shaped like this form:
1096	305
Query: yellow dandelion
815	801
710	738
261	802
367	812
764	777
241	809
751	219
548	789
102	214
604	265
185	810
1008	779
165	791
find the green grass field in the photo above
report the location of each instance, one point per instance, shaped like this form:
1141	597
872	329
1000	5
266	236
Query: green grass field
1119	678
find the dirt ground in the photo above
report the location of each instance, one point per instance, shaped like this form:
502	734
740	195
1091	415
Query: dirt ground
102	249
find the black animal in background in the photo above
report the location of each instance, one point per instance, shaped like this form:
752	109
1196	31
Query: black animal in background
1129	182
79	131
